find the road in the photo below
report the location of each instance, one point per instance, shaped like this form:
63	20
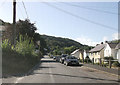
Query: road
50	71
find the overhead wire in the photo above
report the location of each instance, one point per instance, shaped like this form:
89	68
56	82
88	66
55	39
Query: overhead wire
20	10
3	3
94	9
79	17
25	10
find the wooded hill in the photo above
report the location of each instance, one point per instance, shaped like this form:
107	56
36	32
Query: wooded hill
58	45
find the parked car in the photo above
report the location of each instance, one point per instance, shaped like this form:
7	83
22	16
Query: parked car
62	58
51	56
56	58
71	60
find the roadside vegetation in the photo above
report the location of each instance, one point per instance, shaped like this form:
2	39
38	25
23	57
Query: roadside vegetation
18	59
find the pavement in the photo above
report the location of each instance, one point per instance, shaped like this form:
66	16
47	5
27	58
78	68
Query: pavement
50	71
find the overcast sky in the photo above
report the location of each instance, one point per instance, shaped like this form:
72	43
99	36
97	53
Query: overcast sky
86	22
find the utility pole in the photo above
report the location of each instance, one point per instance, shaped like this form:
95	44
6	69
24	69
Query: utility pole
14	22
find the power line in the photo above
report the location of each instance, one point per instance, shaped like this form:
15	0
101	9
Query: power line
91	8
82	18
98	7
21	11
25	10
3	3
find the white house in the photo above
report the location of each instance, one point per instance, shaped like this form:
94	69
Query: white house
118	52
85	54
80	54
76	53
110	50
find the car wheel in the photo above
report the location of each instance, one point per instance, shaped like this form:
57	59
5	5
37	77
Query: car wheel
66	64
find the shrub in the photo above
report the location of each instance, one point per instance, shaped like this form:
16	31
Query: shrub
25	46
6	45
20	59
116	64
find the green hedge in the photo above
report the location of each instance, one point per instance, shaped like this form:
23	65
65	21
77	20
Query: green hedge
20	59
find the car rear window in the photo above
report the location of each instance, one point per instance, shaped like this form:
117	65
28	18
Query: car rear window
71	58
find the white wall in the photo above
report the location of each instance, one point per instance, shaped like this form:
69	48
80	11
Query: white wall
118	55
114	53
107	51
76	54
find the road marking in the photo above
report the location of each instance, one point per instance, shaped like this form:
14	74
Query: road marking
51	76
19	79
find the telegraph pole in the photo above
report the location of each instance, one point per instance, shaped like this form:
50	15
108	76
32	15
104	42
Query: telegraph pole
14	22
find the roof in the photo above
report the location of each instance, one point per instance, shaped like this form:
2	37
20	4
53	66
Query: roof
2	28
118	46
112	45
98	48
75	51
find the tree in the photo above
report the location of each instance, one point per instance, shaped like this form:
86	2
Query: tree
69	50
26	28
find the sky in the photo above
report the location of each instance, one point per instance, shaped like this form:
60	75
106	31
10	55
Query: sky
89	23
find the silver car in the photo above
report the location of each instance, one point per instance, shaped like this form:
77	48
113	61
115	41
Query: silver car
71	60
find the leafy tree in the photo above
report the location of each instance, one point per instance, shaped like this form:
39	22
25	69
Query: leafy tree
62	45
26	28
69	50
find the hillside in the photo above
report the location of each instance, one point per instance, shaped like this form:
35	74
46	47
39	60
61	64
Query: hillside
60	44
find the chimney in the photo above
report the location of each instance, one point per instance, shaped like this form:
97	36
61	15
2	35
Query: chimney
106	41
101	42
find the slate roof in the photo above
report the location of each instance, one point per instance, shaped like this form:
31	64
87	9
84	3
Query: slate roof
112	45
98	48
118	46
2	28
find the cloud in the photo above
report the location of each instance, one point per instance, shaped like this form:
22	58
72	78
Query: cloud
116	36
86	41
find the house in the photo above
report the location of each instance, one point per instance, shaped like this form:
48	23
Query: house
85	53
110	50
97	53
76	53
80	54
118	52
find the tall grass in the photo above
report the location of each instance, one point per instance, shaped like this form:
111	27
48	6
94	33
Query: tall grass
25	46
19	59
6	45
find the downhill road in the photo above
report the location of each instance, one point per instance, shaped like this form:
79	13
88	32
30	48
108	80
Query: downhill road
50	71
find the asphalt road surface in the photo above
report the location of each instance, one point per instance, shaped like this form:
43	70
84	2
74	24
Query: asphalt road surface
50	71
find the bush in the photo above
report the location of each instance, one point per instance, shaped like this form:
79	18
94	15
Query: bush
25	46
116	64
106	64
6	45
19	59
97	63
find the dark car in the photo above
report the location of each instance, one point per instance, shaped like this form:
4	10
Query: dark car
56	58
62	58
71	60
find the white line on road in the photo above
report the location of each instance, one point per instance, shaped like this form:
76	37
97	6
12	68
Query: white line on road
51	76
18	79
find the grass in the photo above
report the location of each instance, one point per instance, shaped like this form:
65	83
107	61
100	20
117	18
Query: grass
19	60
